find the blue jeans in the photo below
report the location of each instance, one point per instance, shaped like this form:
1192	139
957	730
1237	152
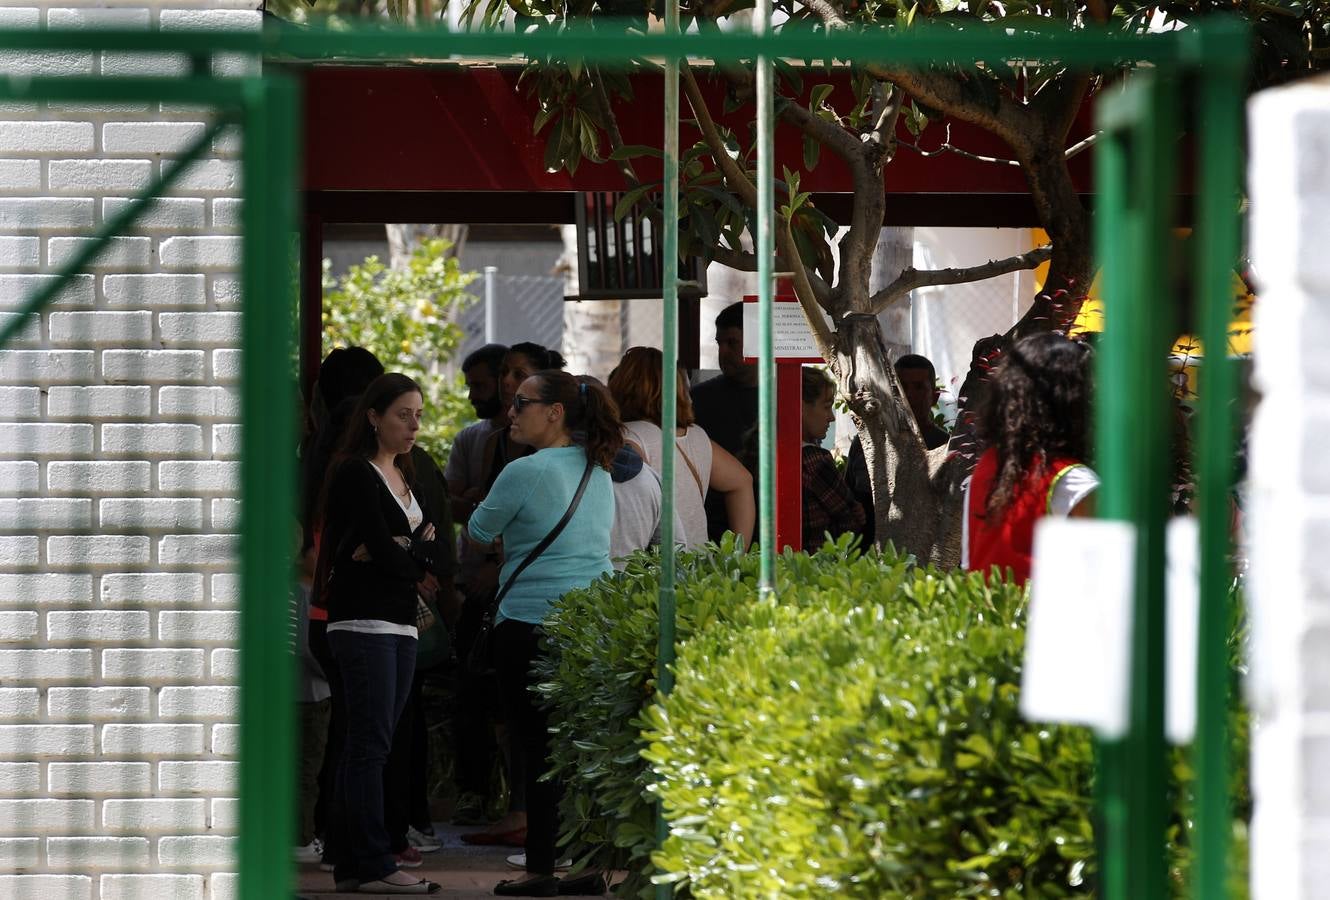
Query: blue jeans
376	678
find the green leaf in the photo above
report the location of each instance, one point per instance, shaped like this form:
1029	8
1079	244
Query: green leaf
819	95
631	198
812	149
632	151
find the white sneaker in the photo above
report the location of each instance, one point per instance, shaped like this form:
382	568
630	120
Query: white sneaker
425	843
518	861
310	853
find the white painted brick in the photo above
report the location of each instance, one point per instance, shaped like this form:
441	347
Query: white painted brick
226	441
224	815
45	887
154	290
198	327
89	703
20	174
165	214
44	514
99	477
198	477
147	816
29	333
210	176
226	365
27	741
229	143
152	588
209	778
29	817
81	18
225	515
21	403
17	626
120	252
208	626
90	778
98	550
71	109
225	740
209	20
45	137
15	289
152	665
18	477
97	853
18	551
30	213
226	289
150	137
199	402
224	664
20	251
19	703
122	63
152	740
207	702
47	366
41	439
45	588
223	886
20	17
18	779
205	252
150	513
99	401
45	665
152	440
226	212
19	853
226	589
101	328
151	887
198	550
98	626
153	366
196	851
97	176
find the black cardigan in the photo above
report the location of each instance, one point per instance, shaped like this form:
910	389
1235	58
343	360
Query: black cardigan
362	510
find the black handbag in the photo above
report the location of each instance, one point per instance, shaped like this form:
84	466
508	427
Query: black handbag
480	660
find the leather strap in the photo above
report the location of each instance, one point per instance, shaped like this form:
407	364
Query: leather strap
701	489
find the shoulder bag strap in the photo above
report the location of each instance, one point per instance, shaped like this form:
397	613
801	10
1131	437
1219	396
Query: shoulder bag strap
549	538
701	489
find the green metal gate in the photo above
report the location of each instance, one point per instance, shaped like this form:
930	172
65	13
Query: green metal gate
1136	169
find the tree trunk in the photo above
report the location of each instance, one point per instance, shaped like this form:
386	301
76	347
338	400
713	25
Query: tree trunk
404	239
592	329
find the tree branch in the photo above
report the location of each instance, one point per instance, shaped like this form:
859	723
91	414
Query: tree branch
913	278
611	126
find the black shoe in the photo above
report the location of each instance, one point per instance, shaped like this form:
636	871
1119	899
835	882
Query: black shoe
588	884
535	886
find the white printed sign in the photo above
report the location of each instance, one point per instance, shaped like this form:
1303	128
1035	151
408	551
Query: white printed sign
791	338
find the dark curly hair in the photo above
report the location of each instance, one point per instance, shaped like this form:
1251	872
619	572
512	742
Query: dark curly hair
1037	410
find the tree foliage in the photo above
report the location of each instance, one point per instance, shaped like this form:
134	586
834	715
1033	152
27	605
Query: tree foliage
406	317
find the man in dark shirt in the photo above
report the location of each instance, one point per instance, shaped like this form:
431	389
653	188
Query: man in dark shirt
726	406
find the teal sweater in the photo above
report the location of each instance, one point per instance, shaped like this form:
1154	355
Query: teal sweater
527	500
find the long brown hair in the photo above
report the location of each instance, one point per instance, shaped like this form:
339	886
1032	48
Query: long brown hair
589	413
636	387
359	439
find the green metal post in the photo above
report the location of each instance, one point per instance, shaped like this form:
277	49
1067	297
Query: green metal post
1216	241
268	514
1133	172
766	364
665	609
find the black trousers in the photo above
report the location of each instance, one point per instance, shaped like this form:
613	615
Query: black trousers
405	792
516	646
336	739
473	735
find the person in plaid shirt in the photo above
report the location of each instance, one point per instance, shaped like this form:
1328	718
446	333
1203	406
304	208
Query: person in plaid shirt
829	506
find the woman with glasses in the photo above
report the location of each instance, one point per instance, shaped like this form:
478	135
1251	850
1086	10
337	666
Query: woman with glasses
551	515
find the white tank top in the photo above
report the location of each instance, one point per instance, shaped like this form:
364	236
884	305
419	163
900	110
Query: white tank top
694	447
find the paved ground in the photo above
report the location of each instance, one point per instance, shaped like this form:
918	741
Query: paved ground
465	872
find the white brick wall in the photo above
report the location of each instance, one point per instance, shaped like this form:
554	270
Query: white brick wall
1289	522
119	411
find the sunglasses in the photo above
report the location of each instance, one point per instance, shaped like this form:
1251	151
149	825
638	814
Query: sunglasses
520	403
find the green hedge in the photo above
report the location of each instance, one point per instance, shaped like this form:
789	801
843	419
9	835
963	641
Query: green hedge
858	738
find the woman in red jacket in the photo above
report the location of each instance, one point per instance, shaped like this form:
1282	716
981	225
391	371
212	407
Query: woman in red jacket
1036	426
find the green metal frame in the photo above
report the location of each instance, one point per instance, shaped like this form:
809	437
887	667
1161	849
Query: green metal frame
1135	171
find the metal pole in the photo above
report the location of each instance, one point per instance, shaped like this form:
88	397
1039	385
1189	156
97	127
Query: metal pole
1217	242
490	273
665	610
267	471
766	365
